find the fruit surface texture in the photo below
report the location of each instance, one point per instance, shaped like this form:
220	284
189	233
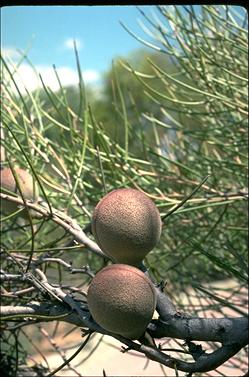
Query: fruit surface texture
126	225
9	185
122	300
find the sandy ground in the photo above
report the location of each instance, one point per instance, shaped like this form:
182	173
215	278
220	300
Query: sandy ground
104	353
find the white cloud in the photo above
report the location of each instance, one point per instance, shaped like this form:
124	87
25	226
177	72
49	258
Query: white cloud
90	76
10	53
69	43
27	77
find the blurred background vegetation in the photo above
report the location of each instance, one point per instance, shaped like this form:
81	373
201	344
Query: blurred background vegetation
166	117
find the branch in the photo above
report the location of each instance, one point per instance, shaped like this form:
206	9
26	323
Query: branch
223	330
232	333
60	219
164	305
83	270
40	312
205	362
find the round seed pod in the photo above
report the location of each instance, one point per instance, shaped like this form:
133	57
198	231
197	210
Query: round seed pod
122	300
8	185
126	225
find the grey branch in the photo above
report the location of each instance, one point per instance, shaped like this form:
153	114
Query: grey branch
223	330
204	363
233	337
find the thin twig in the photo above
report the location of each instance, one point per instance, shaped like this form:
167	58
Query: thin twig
62	220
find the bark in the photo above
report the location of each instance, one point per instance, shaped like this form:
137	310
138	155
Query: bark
232	333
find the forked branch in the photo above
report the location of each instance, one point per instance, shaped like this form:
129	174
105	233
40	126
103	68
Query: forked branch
232	333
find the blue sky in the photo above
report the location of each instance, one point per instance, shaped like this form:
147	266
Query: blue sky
50	30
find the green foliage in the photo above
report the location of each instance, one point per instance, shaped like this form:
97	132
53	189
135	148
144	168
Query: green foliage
165	120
